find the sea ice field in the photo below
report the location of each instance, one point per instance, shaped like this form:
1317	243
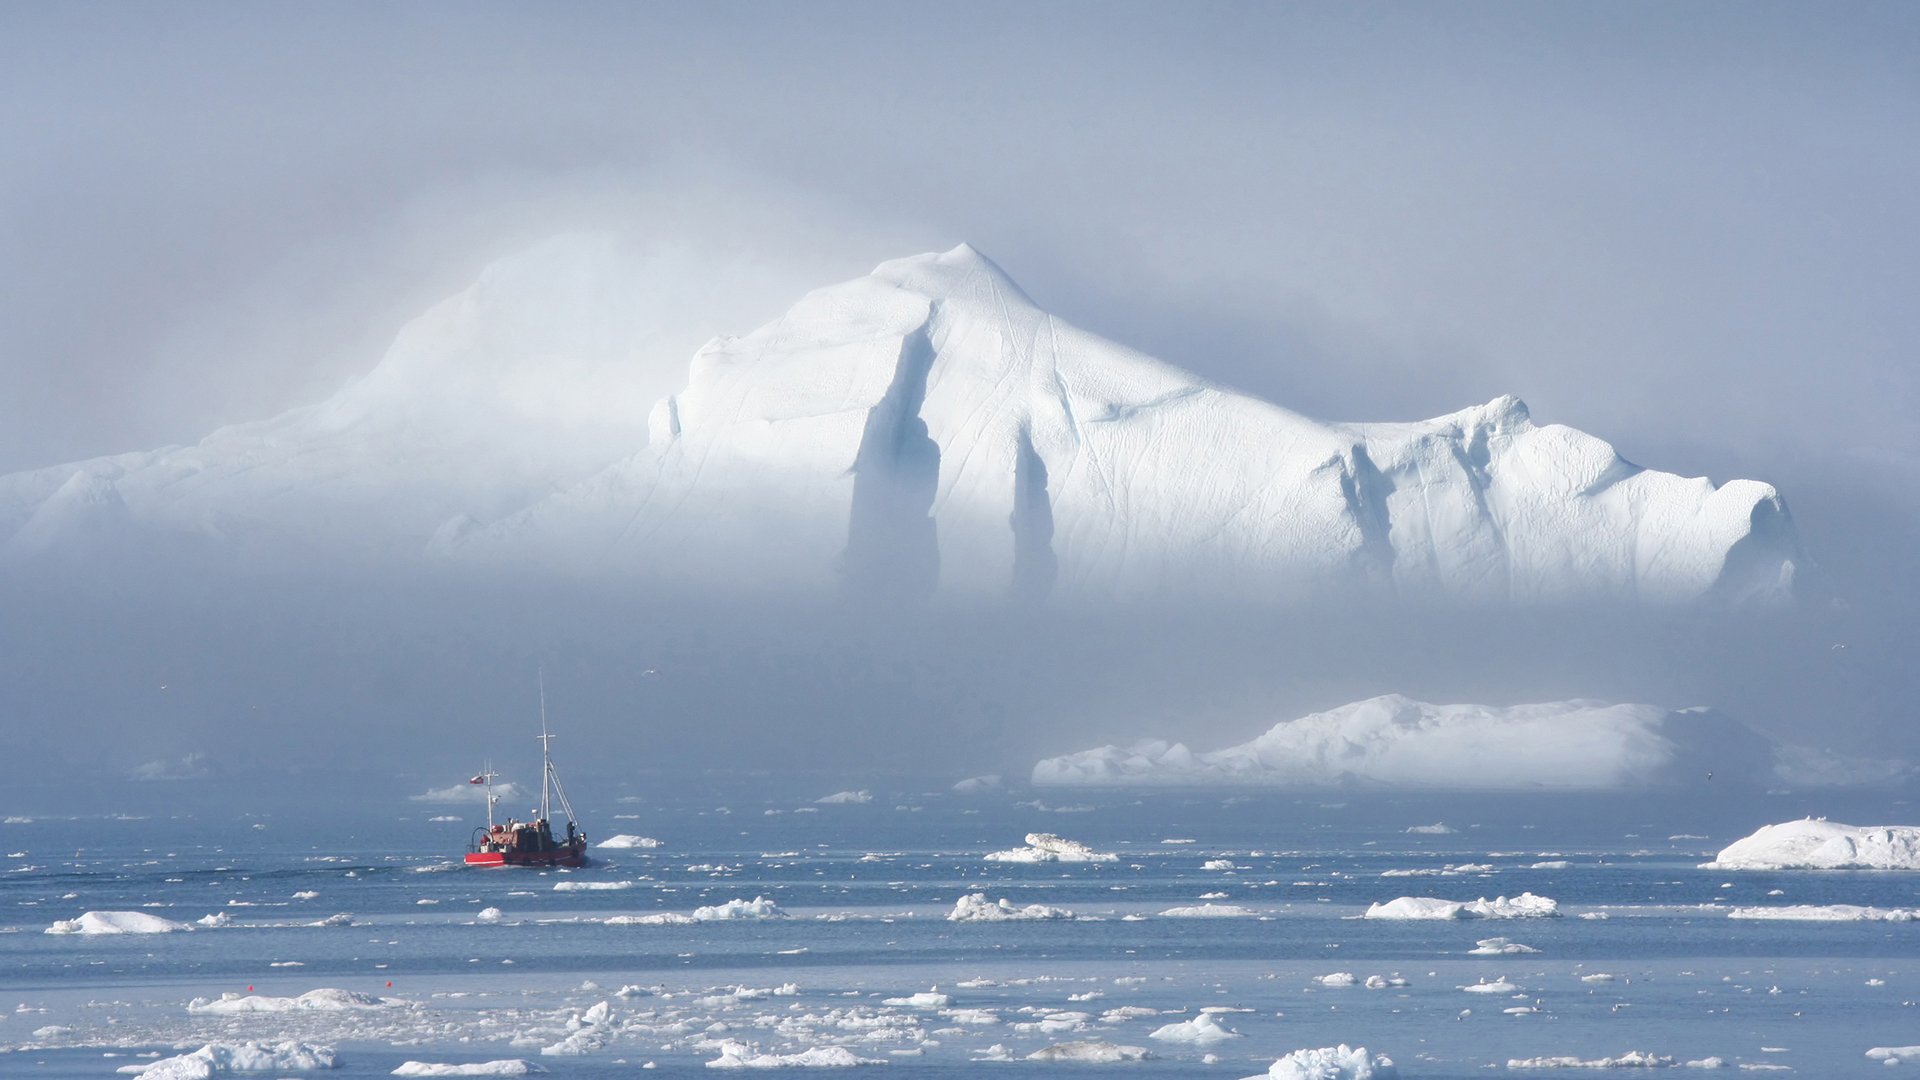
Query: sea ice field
818	932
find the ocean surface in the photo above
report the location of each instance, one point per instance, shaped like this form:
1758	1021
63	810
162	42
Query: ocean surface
866	888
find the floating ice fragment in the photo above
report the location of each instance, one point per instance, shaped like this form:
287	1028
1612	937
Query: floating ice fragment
922	1000
326	999
1046	847
1597	977
1826	913
1895	1055
217	919
736	1055
117	922
1218	864
658	918
1331	1063
1498	986
974	907
628	840
1208	911
489	915
215	1058
1338	978
1200	1030
758	908
1090	1051
973	785
507	1067
590	886
846	797
1438	828
344	918
1498	946
1819	844
1524	906
1632	1059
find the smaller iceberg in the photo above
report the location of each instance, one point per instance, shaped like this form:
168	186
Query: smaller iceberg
1046	847
215	1058
1199	1031
1524	906
1208	911
117	922
326	999
1090	1052
1341	1062
738	1055
974	907
628	840
508	1067
1826	913
757	908
1819	844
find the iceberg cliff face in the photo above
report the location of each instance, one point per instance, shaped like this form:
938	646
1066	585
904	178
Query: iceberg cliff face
922	431
926	429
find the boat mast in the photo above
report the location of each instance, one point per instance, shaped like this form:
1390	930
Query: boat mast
488	774
546	755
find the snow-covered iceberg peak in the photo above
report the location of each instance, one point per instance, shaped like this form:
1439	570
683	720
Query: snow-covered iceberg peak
927	429
1394	741
1819	844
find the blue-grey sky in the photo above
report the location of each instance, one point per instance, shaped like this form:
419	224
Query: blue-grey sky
1687	228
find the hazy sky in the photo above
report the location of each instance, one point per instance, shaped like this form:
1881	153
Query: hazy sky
1686	228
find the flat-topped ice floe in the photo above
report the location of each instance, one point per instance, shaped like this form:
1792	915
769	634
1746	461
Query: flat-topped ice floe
736	1055
326	999
1046	847
627	840
1091	1052
1524	906
1819	844
215	1058
117	922
757	908
590	886
1632	1059
1208	911
506	1067
1199	1031
1396	742
1826	913
1341	1062
975	907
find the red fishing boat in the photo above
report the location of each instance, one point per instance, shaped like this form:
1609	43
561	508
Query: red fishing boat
529	843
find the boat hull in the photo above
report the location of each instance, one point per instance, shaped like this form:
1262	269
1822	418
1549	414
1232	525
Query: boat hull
556	857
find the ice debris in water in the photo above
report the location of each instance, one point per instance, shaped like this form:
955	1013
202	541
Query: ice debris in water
1332	1063
628	840
237	1057
974	785
1438	828
590	886
1826	913
1895	1055
1524	906
1632	1059
306	894
923	1000
1338	978
758	908
489	914
344	918
1199	1031
1206	911
1089	1051
974	907
846	797
507	1067
215	920
658	918
1597	977
1819	844
325	999
1046	847
1498	986
1498	946
738	1055
117	922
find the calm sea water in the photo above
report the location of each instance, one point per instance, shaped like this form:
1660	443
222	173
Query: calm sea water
867	887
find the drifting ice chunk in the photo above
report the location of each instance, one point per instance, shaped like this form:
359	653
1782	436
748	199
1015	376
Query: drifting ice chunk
658	918
1498	946
1046	847
489	915
974	785
1338	978
590	886
1826	913
1331	1063
1090	1051
1438	828
974	907
1199	1031
215	1058
326	999
1895	1055
628	840
1632	1059
1819	844
1497	986
735	1055
758	908
508	1067
1208	911
846	797
214	921
1524	906
1394	741
922	1000
344	918
117	922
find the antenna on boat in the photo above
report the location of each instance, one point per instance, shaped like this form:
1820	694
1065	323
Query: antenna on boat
546	753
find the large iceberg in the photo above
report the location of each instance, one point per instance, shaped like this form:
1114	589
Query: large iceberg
1394	741
1819	844
922	430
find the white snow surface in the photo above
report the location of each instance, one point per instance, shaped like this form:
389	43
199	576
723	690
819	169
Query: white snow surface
1199	1031
736	1055
1896	1055
1341	1062
925	426
1632	1059
216	1058
1819	844
1524	906
1091	1052
974	907
505	1067
1826	913
117	922
1395	741
1208	911
757	908
628	840
1046	847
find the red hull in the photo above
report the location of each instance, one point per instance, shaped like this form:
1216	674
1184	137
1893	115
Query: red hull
556	857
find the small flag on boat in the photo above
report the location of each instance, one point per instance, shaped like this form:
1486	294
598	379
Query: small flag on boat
478	780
